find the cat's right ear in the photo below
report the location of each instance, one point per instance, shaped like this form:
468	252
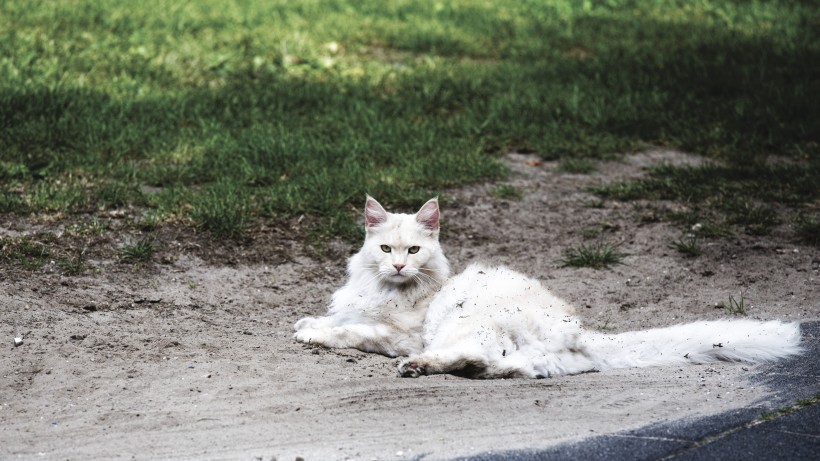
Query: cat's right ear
374	214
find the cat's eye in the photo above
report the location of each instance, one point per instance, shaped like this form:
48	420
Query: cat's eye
413	250
386	248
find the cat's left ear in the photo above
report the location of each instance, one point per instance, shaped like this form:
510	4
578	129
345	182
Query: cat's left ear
428	215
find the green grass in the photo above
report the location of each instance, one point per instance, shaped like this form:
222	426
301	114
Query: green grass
223	208
797	406
219	113
597	256
576	166
687	245
38	251
74	265
755	219
508	192
808	230
141	250
26	253
727	196
735	306
92	227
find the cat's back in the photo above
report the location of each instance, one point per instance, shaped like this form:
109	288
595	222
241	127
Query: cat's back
487	292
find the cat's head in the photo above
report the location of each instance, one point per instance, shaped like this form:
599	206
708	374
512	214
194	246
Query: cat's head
402	248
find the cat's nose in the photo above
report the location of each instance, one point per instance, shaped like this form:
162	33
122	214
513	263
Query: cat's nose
398	267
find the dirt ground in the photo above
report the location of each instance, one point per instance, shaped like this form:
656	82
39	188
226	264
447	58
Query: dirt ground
192	357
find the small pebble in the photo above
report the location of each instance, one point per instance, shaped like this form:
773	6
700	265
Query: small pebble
18	342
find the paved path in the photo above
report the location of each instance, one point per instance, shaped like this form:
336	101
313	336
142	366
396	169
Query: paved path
734	435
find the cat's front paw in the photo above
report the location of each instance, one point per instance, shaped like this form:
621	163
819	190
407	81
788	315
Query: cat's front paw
312	336
411	369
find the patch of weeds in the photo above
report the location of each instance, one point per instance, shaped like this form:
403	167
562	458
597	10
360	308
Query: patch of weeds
757	220
28	254
576	166
597	256
95	226
117	194
715	230
73	266
648	217
734	306
799	405
590	233
508	192
12	170
11	203
142	250
56	195
147	223
687	245
732	193
706	227
191	284
808	230
599	230
605	326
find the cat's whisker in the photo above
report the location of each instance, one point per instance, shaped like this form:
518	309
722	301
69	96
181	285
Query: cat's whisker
422	273
428	278
424	278
432	273
425	281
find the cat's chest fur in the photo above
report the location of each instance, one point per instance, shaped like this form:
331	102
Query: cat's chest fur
401	307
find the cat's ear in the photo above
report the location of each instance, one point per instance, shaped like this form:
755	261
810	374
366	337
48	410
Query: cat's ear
428	215
374	214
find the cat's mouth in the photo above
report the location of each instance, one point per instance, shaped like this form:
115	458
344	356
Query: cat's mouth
398	277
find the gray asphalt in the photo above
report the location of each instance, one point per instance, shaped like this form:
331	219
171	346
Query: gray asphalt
727	436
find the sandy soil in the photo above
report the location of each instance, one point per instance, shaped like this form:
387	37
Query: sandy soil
192	357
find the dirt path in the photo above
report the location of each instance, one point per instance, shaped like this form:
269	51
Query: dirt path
189	360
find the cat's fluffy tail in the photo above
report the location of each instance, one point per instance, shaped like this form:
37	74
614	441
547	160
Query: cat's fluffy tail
699	342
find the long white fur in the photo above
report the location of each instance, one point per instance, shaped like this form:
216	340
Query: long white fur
491	322
510	325
697	342
378	309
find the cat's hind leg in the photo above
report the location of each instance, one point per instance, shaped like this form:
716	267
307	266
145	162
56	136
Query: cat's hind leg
432	364
456	363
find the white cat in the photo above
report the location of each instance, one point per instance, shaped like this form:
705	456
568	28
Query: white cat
493	322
